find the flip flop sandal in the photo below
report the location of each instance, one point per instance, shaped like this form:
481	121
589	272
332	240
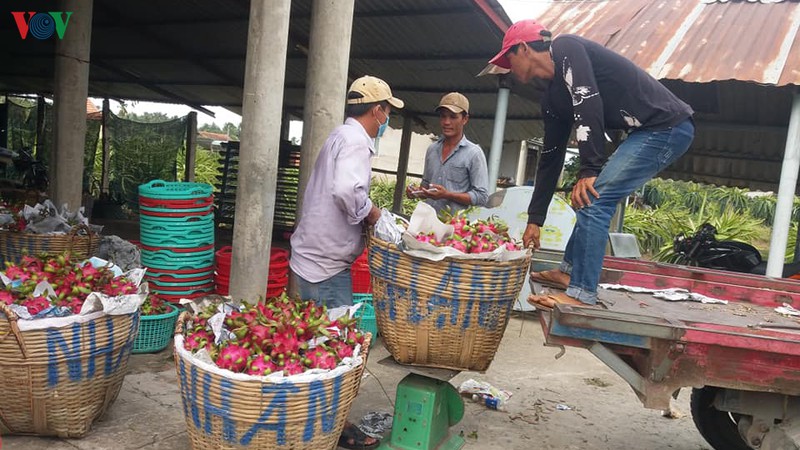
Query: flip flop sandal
546	280
354	434
539	306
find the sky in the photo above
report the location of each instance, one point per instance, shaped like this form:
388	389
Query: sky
516	10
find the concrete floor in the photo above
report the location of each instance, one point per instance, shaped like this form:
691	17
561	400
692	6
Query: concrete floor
604	412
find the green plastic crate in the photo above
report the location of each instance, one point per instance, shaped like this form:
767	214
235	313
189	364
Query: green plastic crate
155	332
366	315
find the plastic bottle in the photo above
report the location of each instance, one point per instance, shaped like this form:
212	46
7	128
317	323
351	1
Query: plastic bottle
489	401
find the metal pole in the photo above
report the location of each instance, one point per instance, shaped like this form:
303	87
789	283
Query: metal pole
522	163
786	190
71	90
262	103
40	112
106	150
496	151
326	82
191	146
4	122
402	165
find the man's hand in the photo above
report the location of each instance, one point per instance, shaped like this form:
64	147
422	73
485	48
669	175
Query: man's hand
581	191
436	192
531	236
414	191
373	216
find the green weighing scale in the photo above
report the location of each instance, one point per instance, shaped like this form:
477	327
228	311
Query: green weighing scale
425	407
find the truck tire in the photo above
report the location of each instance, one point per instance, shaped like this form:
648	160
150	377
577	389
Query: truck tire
718	428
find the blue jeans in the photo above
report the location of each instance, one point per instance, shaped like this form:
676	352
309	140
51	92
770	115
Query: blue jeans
335	291
638	159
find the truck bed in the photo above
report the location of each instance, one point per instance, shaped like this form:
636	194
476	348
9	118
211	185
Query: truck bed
659	346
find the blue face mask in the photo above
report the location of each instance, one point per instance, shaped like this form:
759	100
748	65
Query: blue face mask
382	126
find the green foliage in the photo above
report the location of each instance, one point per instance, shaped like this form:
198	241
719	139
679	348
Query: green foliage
206	166
674	207
570	175
381	193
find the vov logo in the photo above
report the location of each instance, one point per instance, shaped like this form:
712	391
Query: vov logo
41	25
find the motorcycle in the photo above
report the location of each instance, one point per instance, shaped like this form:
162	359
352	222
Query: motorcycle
704	250
34	172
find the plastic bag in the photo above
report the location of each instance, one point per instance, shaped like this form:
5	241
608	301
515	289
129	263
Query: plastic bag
387	229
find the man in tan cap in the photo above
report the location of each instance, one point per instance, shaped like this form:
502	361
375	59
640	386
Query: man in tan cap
327	239
455	174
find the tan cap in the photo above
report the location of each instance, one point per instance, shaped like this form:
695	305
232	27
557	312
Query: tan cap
373	90
454	102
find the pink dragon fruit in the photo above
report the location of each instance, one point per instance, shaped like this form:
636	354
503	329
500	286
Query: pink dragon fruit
260	336
261	365
285	343
341	349
233	357
196	340
293	367
321	358
36	305
7	297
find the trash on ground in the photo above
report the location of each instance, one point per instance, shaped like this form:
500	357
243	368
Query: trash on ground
563	407
482	392
375	423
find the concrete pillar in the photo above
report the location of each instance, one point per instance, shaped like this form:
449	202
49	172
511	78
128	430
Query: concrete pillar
262	103
496	150
402	165
70	93
786	190
191	146
326	81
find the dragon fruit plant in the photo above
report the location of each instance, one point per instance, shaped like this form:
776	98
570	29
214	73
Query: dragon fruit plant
71	282
275	336
478	236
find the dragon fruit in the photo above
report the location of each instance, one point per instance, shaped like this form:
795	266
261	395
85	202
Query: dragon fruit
71	282
293	367
275	336
36	305
196	340
321	358
478	236
233	357
261	365
285	343
341	349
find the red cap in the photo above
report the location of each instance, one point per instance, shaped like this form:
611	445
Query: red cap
520	32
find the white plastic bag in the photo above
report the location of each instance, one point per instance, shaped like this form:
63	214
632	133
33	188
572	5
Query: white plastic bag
387	229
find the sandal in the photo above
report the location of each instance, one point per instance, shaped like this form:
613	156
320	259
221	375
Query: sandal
546	279
353	438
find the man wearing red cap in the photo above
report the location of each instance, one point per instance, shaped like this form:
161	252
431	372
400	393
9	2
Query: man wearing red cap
591	89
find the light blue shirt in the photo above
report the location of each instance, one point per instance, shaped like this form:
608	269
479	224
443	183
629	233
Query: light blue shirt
464	170
328	237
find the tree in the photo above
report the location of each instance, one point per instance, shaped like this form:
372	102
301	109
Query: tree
232	130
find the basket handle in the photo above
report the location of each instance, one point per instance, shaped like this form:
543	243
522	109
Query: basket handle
182	319
12	318
74	233
156	183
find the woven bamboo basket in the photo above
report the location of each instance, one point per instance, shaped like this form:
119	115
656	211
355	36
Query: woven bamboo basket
448	314
228	413
80	242
59	380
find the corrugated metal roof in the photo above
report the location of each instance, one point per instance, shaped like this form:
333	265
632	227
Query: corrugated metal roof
692	40
193	51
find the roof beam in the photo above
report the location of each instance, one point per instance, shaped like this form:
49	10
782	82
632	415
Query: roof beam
158	90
